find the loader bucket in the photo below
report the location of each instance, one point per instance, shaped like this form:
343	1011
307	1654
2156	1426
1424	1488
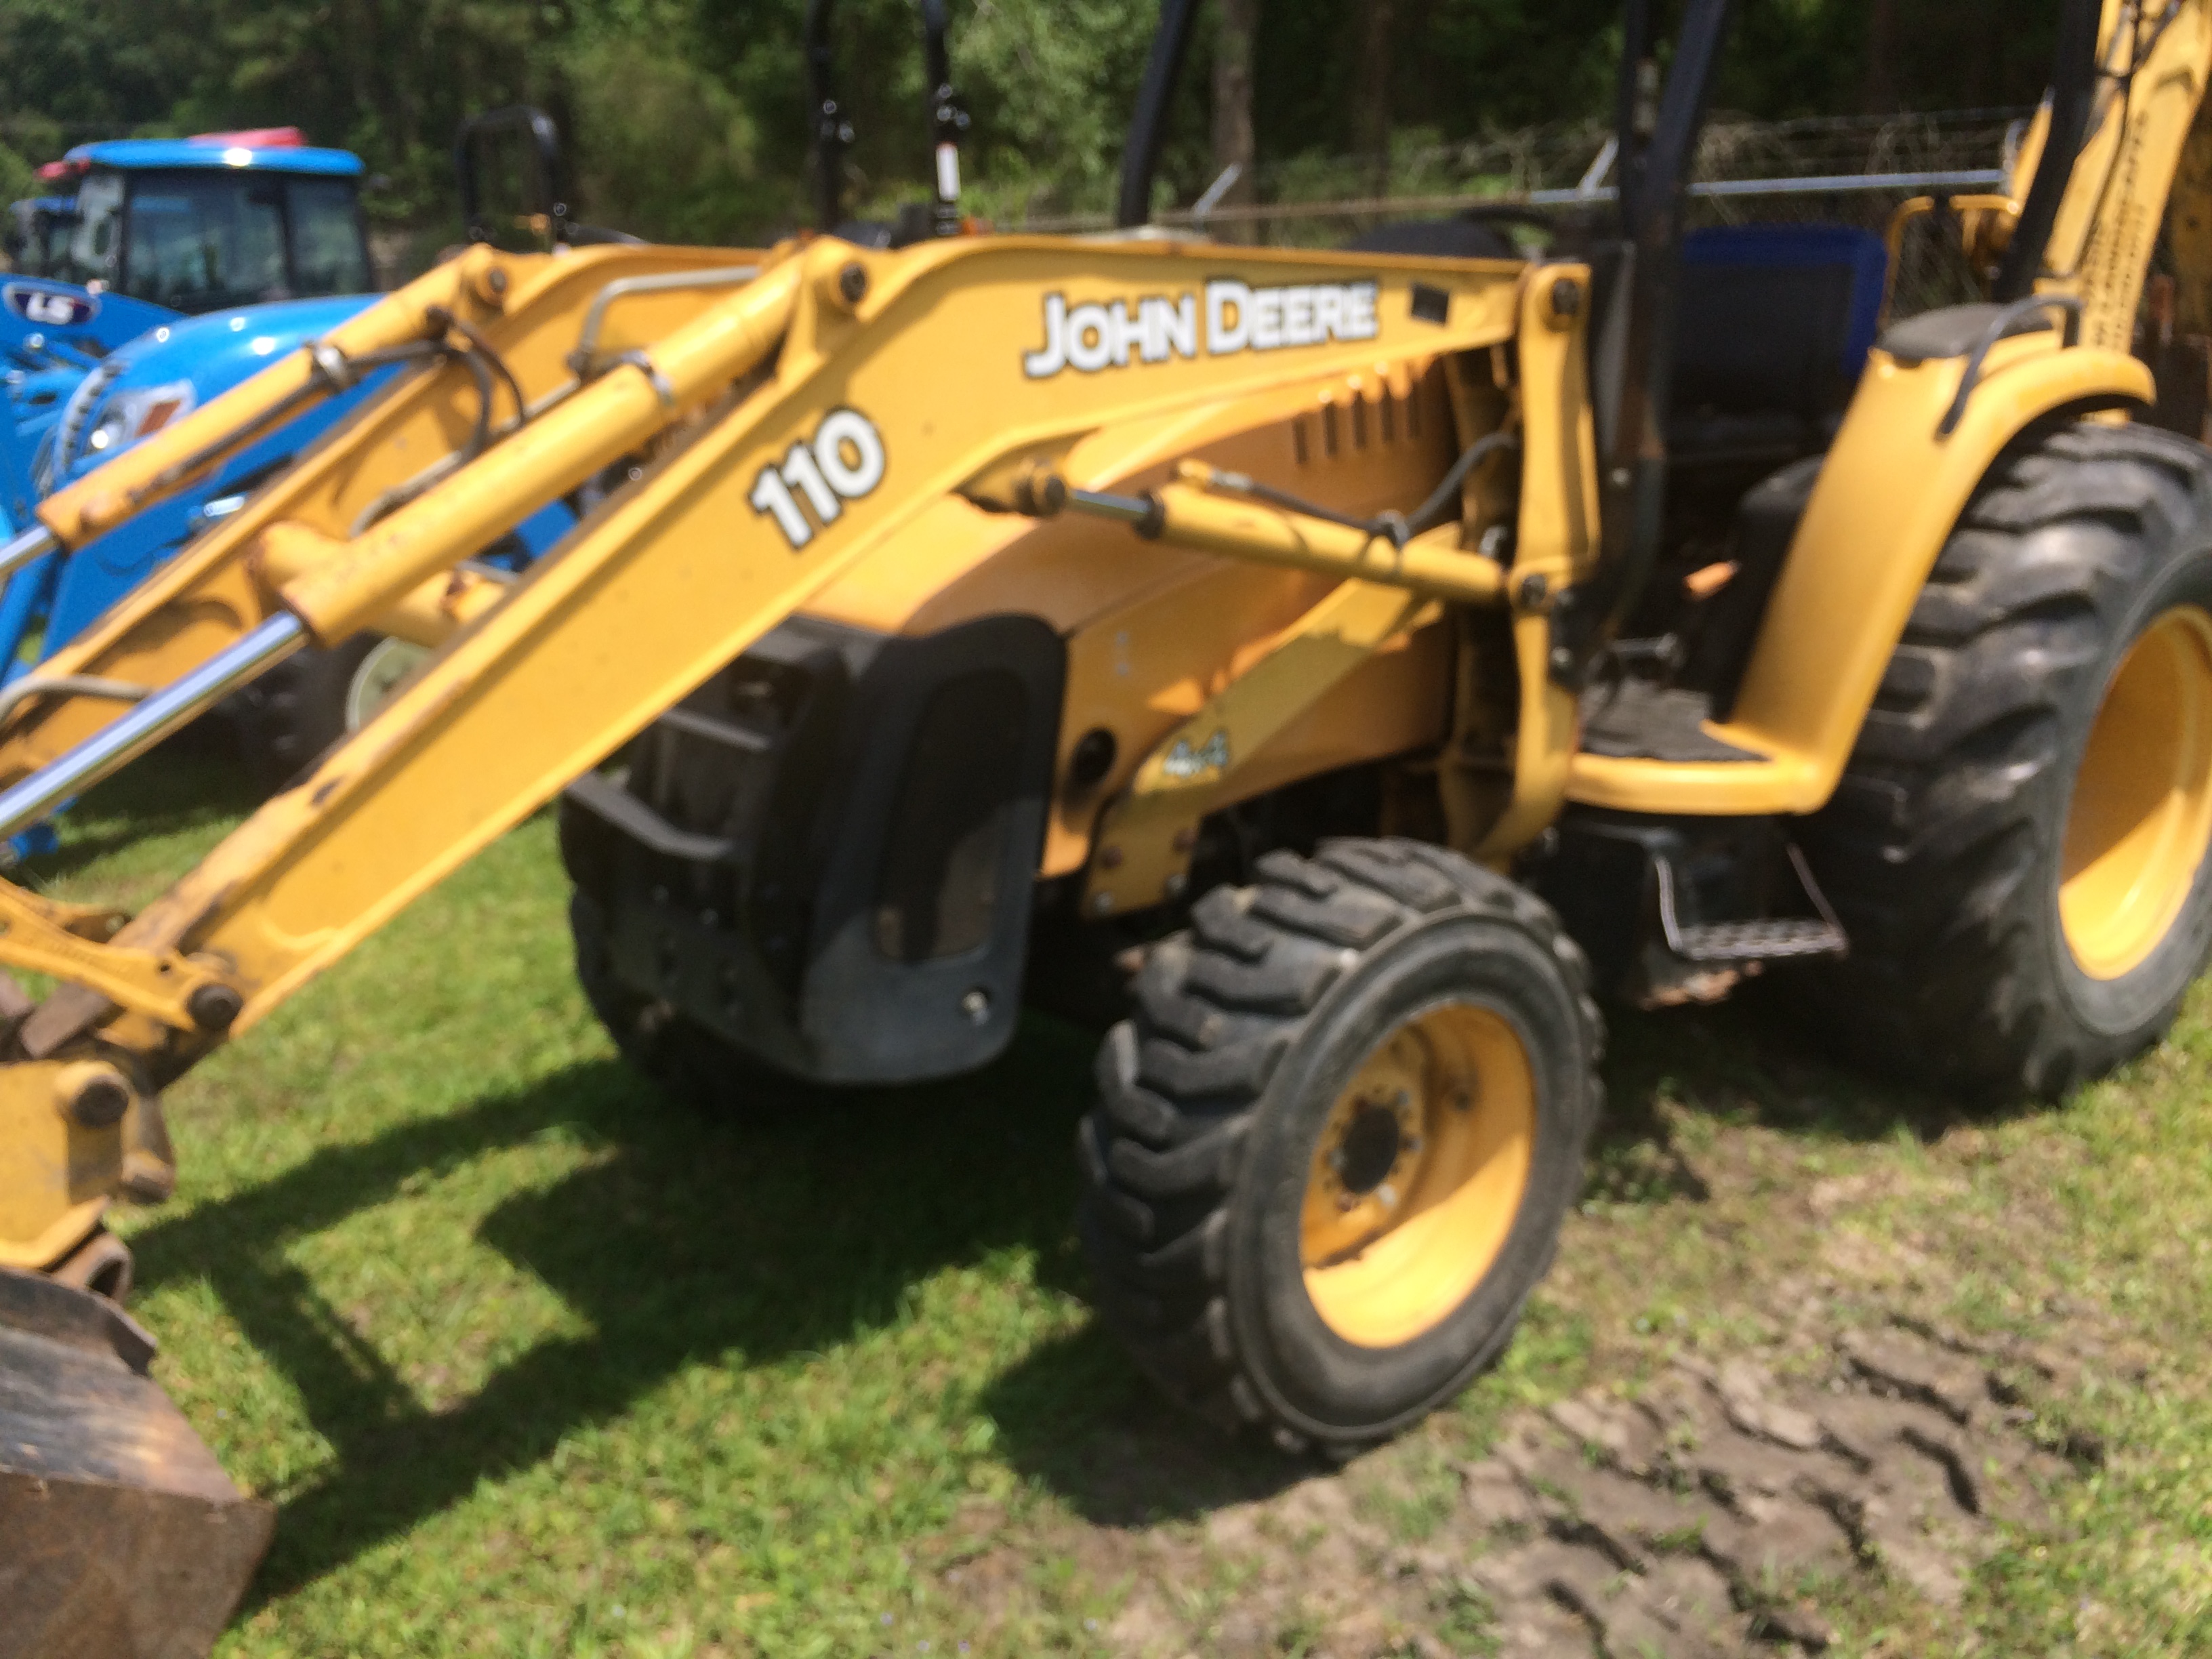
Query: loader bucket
120	1536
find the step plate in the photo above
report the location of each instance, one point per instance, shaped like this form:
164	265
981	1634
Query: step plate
1785	940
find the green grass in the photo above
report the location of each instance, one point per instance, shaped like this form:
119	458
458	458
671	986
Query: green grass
534	1362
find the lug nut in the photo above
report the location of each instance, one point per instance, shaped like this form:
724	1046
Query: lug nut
1092	758
92	1094
852	283
1566	298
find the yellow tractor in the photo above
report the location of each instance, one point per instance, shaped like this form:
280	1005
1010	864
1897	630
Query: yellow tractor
1371	641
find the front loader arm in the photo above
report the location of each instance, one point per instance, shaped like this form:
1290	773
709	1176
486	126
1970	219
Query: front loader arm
529	311
845	394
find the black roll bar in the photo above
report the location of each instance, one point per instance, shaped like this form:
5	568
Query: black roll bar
948	119
1140	157
1635	370
1628	99
833	126
2073	97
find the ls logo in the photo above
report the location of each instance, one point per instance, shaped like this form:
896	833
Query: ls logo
48	308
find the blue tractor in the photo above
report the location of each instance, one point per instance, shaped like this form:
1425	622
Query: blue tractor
38	233
189	265
155	230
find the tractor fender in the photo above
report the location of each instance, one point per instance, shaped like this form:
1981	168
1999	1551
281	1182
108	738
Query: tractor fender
166	374
1892	489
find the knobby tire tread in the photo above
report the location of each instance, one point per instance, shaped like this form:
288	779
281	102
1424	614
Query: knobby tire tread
1179	1084
1932	847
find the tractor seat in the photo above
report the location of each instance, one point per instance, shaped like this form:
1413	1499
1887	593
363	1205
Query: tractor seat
1772	328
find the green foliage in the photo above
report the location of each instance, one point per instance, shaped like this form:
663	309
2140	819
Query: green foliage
17	177
690	120
659	142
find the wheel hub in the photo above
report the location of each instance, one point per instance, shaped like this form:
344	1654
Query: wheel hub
1418	1174
1381	1136
2142	815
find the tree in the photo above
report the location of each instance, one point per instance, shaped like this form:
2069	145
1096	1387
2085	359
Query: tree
1233	145
1370	89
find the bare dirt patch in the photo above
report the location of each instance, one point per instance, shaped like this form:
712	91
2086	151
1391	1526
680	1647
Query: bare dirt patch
1719	1509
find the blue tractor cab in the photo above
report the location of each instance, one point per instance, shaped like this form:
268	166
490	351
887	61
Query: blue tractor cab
216	222
156	229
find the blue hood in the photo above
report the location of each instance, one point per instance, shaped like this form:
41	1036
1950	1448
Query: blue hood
209	354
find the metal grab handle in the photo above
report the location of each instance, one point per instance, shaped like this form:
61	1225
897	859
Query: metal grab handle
27	548
161	712
69	685
2000	328
585	358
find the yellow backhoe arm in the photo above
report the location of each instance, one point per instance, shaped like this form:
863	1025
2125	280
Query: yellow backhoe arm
2147	137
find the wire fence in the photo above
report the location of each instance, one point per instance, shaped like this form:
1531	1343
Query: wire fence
1850	170
1558	164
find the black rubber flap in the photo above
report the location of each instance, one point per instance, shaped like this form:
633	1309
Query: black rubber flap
1634	720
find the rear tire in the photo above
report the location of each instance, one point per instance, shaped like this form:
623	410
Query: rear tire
1335	1143
2007	751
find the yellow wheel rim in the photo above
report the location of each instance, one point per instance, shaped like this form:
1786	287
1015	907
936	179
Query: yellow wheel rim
2141	816
1417	1176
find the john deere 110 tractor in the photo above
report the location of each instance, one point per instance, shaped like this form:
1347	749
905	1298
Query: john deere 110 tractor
1395	650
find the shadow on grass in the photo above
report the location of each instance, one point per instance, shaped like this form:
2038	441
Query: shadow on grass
700	1239
193	779
690	1239
1756	1060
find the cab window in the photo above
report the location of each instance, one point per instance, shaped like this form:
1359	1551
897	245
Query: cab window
328	255
203	241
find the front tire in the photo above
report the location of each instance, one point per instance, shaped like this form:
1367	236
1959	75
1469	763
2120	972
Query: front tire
294	712
1335	1143
686	1062
2018	847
